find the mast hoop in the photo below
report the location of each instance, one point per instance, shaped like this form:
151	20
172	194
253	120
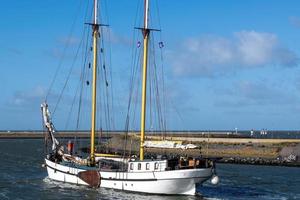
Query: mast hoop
98	25
147	29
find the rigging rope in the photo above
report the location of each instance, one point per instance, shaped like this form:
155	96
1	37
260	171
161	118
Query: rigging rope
64	51
156	111
68	76
83	76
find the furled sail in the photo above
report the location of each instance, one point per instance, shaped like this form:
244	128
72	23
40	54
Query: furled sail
49	125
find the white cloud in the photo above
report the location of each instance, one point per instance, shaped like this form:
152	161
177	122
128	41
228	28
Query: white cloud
248	93
25	98
116	38
212	55
255	49
68	41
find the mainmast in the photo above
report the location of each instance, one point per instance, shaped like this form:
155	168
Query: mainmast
95	27
145	32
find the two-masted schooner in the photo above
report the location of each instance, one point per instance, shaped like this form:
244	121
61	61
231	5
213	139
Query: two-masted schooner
157	176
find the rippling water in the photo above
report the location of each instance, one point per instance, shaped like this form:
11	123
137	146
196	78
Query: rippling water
22	177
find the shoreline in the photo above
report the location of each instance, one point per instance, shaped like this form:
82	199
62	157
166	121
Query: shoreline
232	150
195	136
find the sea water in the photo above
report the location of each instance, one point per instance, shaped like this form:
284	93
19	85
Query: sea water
22	177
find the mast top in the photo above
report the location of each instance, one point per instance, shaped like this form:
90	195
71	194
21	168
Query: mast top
146	15
95	11
95	21
145	30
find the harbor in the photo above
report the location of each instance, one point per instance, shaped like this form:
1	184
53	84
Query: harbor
230	148
150	99
17	180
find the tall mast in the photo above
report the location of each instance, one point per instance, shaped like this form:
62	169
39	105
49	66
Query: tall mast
145	32
94	85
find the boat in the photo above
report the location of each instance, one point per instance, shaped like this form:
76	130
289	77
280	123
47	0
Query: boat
161	175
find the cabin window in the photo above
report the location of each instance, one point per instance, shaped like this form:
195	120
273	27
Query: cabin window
131	166
139	166
156	165
147	166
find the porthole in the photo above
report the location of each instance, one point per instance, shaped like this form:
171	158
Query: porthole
156	165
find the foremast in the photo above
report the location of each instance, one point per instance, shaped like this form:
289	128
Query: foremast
95	27
145	32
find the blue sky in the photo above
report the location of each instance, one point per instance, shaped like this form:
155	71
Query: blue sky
228	63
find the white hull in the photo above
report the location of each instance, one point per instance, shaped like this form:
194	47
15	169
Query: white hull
156	182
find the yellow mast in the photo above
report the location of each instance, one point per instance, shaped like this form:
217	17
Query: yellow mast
94	85
145	31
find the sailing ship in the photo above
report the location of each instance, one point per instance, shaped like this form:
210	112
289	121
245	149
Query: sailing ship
155	176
